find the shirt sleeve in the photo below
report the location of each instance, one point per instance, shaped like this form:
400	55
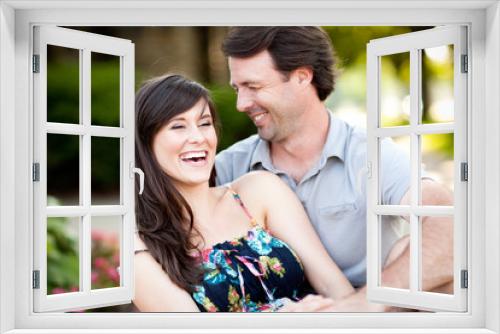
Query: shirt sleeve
394	172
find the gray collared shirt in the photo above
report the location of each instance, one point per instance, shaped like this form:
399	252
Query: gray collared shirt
333	192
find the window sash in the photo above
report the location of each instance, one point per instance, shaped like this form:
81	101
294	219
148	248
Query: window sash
85	43
412	43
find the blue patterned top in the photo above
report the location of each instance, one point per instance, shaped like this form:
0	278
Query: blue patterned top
253	273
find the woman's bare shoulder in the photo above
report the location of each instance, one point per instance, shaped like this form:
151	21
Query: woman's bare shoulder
256	183
254	179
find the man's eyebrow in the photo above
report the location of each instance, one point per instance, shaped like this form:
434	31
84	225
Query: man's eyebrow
245	83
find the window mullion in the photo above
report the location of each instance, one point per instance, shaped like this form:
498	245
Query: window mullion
85	162
415	90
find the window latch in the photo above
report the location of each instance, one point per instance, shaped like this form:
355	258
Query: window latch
135	170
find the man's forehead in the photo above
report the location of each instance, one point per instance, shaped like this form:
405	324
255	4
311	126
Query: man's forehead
251	69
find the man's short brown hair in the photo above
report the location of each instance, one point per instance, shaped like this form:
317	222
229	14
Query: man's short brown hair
290	48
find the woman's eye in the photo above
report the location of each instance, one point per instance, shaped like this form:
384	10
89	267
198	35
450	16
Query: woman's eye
206	124
175	127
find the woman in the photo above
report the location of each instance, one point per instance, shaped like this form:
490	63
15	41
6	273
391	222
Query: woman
205	248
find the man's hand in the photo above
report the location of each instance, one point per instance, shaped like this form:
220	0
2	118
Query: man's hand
357	302
311	303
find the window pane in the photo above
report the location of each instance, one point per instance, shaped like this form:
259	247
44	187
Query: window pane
437	162
105	167
105	83
106	236
429	270
63	85
63	273
394	238
394	169
437	85
63	169
395	90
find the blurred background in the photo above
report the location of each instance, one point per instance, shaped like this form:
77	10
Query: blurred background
195	52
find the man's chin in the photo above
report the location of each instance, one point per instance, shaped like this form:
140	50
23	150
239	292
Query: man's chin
265	135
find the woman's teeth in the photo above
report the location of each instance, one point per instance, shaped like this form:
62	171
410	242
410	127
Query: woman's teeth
194	156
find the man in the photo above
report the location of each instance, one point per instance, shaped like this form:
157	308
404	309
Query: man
282	76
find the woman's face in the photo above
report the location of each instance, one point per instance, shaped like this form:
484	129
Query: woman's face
185	146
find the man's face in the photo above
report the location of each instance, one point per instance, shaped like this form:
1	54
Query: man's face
265	95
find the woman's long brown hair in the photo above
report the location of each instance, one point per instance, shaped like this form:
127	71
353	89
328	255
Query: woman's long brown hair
164	219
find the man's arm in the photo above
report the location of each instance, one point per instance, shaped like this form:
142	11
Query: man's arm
437	255
437	244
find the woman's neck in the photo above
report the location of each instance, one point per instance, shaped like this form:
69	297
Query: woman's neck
202	200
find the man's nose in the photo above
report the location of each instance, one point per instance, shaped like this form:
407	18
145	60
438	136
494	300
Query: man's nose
244	102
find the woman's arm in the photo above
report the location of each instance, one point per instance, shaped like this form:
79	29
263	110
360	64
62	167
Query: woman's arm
154	291
286	219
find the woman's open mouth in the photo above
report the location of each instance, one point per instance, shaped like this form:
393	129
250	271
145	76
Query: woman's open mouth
195	158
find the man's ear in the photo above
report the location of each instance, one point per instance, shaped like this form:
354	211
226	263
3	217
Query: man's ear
303	75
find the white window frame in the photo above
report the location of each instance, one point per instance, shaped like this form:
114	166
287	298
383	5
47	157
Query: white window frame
413	44
86	43
16	215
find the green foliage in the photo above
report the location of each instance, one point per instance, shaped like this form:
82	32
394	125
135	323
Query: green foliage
234	124
62	257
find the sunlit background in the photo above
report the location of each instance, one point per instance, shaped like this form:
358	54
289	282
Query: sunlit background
195	52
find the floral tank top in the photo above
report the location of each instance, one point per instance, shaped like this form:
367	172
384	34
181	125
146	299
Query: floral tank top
253	273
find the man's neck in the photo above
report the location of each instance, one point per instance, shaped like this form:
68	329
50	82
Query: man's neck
299	152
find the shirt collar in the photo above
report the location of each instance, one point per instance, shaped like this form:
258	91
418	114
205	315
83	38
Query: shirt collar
336	138
334	145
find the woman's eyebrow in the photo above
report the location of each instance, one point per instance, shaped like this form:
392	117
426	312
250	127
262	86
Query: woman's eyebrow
177	118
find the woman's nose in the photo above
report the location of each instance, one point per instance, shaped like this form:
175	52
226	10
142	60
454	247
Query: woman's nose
195	135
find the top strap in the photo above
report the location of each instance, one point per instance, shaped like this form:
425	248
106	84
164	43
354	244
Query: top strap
237	198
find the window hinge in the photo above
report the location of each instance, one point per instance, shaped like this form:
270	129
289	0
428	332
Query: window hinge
36	279
464	171
36	172
36	63
465	64
464	279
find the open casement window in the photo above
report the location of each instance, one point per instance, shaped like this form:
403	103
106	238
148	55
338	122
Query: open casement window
68	131
444	96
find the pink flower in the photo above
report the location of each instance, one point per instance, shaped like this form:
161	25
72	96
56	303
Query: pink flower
100	263
94	277
74	289
98	235
56	291
113	274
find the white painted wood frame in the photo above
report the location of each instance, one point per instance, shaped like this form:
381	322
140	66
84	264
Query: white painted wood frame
414	44
85	43
16	21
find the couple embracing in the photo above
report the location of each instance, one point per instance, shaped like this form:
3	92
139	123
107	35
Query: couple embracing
277	222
